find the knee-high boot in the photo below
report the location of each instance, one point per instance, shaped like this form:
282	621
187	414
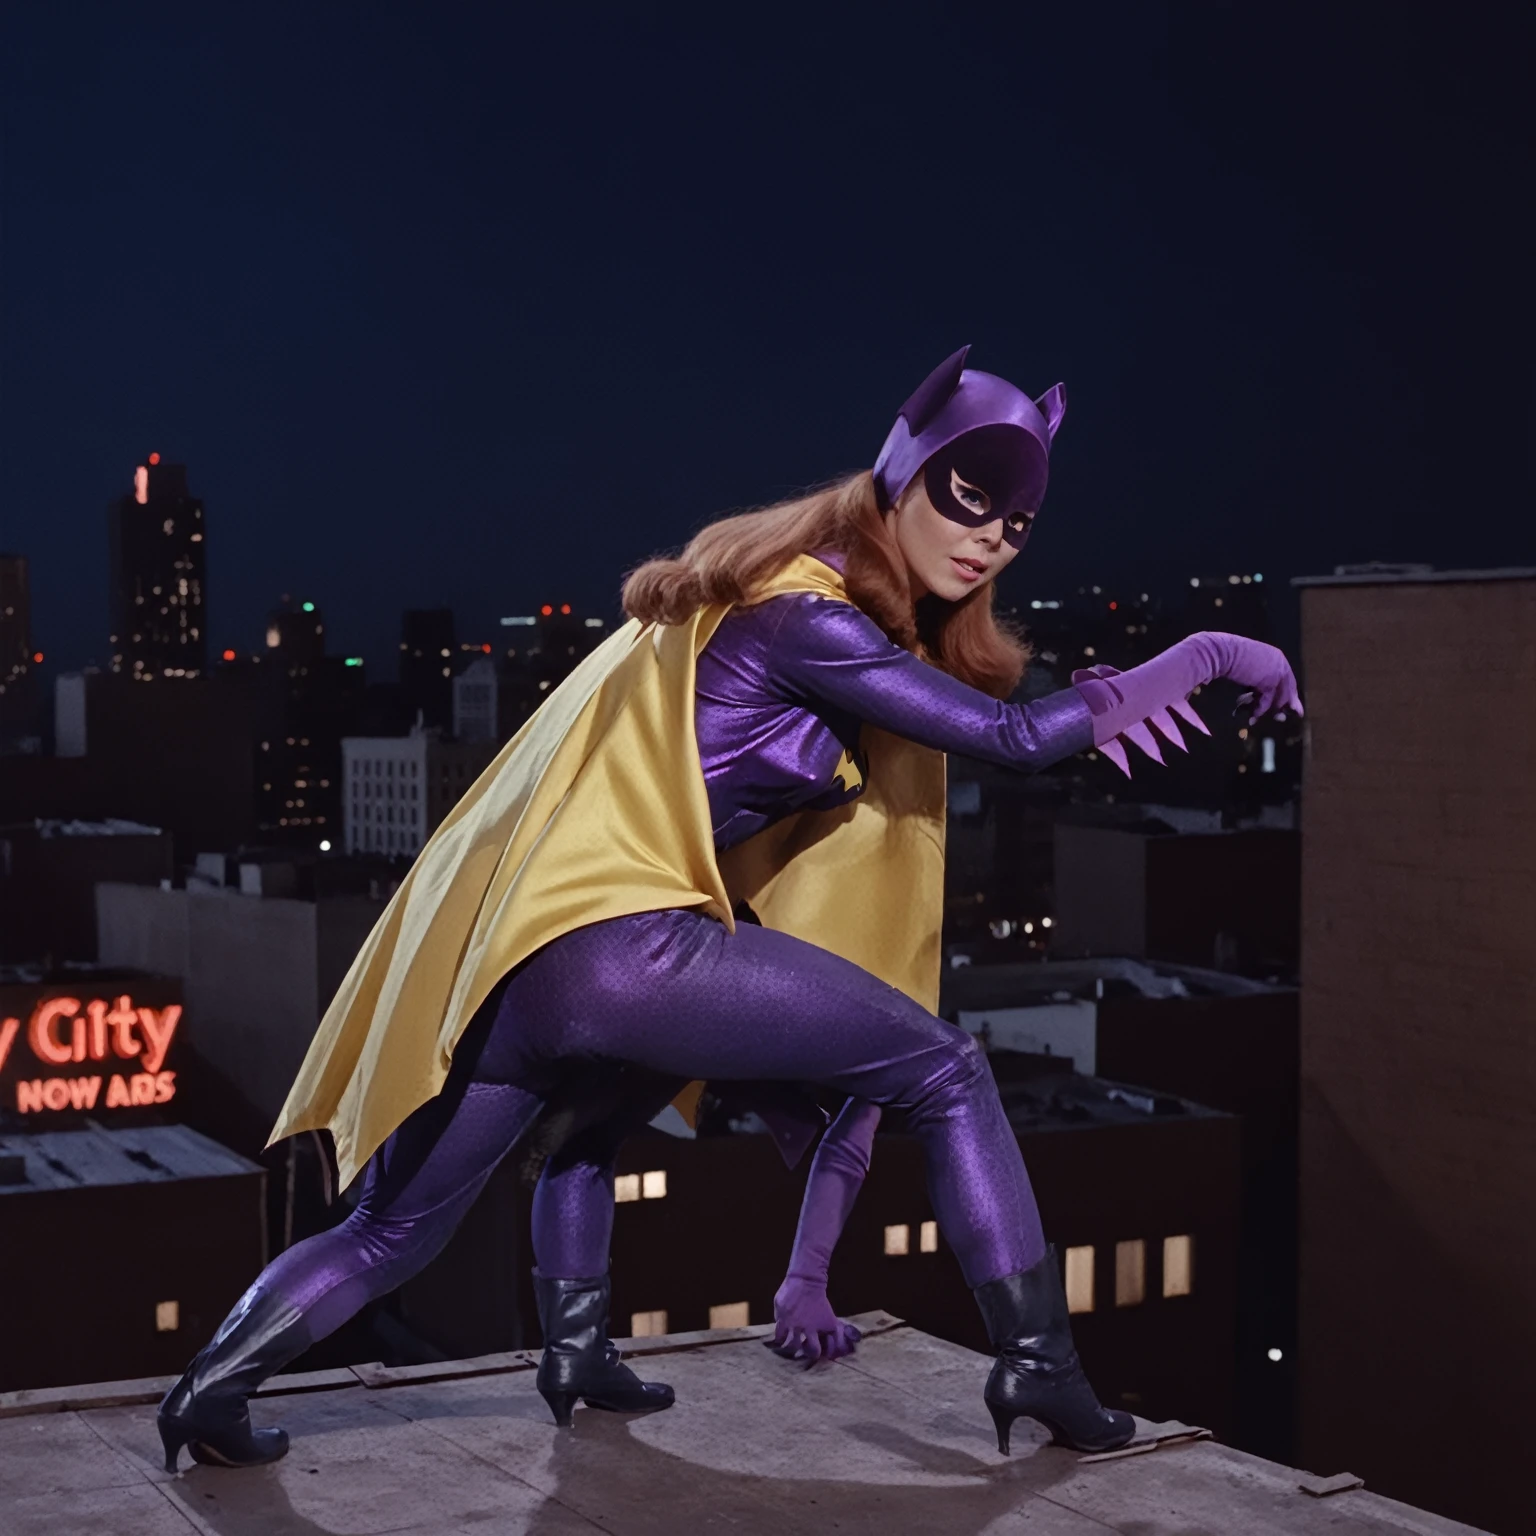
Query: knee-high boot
206	1410
1037	1373
580	1360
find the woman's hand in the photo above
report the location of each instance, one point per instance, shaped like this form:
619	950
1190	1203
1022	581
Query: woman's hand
1263	668
805	1326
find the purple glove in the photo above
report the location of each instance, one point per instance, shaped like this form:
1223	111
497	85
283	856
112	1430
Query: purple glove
1129	704
805	1326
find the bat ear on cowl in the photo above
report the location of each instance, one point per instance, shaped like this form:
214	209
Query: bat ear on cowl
1053	406
933	394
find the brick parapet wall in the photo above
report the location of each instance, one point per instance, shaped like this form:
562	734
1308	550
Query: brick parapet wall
1418	1032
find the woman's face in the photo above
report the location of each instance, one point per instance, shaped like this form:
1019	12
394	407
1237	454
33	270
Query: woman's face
944	557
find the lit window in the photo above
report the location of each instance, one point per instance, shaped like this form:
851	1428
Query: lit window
647	1325
734	1314
898	1241
653	1185
1130	1273
1268	764
928	1237
1178	1266
1080	1279
626	1187
167	1316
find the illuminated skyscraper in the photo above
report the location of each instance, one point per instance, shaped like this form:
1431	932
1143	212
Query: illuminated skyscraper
312	700
157	564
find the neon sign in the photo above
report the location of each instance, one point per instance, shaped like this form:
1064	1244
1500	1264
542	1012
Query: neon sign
64	1032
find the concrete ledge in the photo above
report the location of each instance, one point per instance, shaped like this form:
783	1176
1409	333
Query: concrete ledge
93	1394
119	1394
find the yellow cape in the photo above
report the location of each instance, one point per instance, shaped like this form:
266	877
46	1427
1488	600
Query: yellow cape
597	809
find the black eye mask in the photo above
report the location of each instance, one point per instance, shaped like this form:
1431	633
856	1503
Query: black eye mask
1002	462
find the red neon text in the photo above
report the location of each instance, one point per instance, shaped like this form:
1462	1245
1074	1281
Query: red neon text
56	1093
59	1033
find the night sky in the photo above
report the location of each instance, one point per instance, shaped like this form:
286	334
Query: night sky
444	305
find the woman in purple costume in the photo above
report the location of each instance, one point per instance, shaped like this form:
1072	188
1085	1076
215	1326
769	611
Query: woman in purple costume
634	1007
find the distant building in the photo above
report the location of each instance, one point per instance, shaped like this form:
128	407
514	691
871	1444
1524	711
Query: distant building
428	648
259	959
1418	971
475	702
15	619
1234	603
157	556
178	758
545	648
19	713
124	1250
998	891
308	701
398	789
1166	883
48	876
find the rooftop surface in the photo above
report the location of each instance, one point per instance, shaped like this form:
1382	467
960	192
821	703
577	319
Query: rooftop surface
150	1154
894	1440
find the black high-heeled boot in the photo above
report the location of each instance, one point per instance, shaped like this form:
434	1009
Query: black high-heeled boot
206	1410
580	1360
1037	1373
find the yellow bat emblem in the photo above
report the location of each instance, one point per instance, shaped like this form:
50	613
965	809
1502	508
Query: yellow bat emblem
847	775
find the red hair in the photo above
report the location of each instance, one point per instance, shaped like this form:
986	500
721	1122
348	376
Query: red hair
725	562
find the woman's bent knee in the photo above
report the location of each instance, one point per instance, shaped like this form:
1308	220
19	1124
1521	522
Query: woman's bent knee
958	1074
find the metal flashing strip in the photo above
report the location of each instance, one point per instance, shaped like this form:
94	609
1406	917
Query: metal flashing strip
1153	1437
1323	1487
1415	578
375	1376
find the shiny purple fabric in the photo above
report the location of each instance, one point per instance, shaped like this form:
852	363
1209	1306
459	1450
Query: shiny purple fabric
675	993
805	1326
955	400
783	689
784	686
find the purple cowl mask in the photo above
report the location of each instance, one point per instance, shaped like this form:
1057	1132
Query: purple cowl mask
967	431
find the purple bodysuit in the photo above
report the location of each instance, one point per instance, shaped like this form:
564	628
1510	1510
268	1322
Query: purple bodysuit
671	996
783	688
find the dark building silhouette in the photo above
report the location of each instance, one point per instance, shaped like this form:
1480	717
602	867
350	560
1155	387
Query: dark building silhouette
178	758
80	1205
1418	1077
49	871
1234	603
1173	889
308	701
18	679
428	650
157	560
545	649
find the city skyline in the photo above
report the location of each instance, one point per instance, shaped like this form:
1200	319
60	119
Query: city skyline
427	338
